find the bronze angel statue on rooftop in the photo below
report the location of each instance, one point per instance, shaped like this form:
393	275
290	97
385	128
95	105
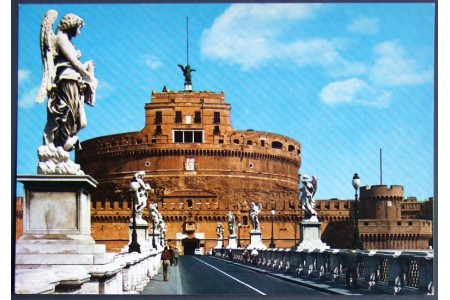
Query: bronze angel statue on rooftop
67	83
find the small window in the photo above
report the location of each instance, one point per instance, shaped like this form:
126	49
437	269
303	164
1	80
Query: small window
263	143
291	148
221	141
197	117
198	137
189	203
178	136
249	142
244	220
178	117
216	117
216	130
188	137
158	117
236	141
139	141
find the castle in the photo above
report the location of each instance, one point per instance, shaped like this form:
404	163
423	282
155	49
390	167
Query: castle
200	168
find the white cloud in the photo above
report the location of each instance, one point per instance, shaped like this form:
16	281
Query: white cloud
28	98
364	25
104	89
23	75
354	90
342	91
393	67
246	34
322	53
152	61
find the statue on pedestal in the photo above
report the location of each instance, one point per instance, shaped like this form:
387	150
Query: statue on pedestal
68	84
140	199
154	214
219	231
231	222
254	215
307	201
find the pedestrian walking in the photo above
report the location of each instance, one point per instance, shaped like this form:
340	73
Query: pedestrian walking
171	255
175	256
165	260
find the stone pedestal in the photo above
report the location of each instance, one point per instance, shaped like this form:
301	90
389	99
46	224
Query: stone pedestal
232	244
57	222
310	237
255	240
219	244
142	237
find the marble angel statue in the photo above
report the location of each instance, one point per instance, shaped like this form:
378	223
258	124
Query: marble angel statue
231	222
141	195
307	201
255	209
67	83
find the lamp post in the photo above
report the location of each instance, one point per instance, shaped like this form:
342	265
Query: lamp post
153	236
134	245
356	238
239	235
272	243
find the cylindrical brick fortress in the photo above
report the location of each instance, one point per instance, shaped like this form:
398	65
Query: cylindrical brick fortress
195	162
381	202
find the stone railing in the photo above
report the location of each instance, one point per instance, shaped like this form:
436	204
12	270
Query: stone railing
129	273
394	272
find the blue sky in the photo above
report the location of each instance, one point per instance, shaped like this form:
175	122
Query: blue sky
342	79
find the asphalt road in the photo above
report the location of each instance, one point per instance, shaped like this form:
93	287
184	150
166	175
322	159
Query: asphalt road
203	275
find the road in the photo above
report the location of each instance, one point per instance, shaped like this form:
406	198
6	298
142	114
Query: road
203	275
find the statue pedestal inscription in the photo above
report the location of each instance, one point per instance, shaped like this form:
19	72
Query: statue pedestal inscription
310	237
255	240
232	244
57	222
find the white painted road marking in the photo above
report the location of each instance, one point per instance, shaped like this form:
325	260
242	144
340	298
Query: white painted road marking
231	277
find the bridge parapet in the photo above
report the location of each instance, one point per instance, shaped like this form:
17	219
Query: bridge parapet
396	272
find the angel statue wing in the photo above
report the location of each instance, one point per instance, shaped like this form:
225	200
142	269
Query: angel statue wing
315	183
47	39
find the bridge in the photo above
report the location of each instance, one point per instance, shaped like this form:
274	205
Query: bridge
274	272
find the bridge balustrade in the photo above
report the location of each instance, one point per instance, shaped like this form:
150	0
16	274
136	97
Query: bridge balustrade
393	272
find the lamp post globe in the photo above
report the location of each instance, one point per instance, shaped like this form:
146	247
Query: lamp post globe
357	244
272	242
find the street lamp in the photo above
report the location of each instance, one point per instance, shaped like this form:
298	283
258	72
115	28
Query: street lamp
153	236
356	239
272	243
239	235
134	245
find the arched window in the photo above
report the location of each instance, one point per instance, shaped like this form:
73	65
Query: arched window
277	145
